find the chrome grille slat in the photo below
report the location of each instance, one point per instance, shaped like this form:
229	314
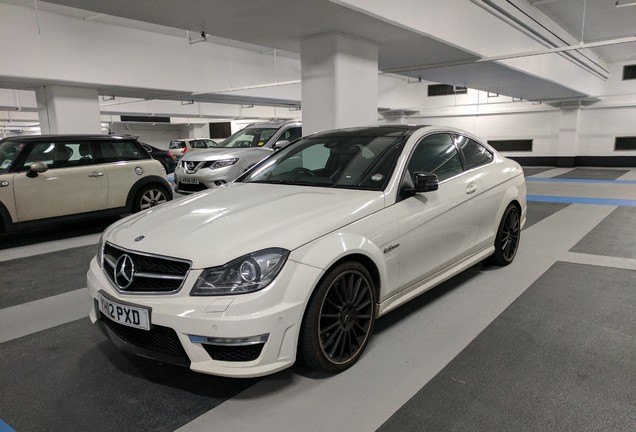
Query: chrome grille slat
153	274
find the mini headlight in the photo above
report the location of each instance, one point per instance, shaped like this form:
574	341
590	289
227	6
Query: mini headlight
223	163
246	274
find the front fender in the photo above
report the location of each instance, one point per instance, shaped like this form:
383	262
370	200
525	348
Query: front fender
326	251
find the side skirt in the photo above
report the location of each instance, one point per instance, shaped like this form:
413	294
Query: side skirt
432	281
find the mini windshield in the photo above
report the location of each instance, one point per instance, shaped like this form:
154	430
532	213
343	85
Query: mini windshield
250	137
344	162
9	151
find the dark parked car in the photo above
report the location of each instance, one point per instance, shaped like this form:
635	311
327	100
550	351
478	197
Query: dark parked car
166	158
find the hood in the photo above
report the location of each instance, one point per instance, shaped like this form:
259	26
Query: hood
214	227
224	153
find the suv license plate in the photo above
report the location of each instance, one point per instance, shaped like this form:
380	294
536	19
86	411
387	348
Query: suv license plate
130	316
189	180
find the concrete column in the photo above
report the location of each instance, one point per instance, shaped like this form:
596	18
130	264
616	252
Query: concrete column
339	82
568	145
199	130
68	110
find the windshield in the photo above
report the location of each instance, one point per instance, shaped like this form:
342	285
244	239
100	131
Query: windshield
345	162
9	151
250	137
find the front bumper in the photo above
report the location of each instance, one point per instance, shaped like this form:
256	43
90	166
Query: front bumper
207	178
214	335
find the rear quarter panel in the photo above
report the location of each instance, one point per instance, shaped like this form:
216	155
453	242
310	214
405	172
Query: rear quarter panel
122	176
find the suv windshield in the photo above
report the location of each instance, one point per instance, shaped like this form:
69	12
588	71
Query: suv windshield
250	137
345	162
9	151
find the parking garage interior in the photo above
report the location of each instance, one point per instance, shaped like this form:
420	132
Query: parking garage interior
547	343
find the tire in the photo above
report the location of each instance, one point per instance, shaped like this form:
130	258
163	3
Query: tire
339	319
149	196
508	236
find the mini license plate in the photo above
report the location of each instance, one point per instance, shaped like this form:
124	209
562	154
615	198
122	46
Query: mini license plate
130	316
189	180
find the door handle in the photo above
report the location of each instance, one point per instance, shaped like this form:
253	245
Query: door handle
96	174
471	188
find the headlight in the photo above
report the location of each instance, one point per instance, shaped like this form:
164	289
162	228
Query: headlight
223	163
249	273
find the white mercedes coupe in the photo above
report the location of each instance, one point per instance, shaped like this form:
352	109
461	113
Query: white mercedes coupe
298	257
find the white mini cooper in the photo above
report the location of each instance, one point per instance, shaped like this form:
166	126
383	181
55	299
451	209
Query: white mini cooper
299	256
49	178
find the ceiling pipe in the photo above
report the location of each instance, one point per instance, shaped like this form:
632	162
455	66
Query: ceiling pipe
586	45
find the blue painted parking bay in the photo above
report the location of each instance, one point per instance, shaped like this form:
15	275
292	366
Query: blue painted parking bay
580	199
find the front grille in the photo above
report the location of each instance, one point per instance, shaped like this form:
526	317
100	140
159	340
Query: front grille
152	274
191	187
234	353
160	339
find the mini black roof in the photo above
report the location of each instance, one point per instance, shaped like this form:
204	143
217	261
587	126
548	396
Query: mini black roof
39	138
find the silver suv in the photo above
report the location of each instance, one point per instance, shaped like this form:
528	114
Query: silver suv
206	169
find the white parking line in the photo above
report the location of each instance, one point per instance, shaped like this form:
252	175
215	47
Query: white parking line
27	318
601	261
406	355
52	246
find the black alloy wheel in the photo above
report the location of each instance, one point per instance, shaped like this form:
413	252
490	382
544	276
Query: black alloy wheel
508	236
339	319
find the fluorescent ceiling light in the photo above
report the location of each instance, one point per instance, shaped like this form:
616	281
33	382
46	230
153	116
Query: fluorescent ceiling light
623	3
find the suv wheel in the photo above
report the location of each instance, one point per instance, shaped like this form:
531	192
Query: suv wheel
149	196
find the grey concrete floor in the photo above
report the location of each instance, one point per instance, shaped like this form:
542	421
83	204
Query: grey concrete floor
546	343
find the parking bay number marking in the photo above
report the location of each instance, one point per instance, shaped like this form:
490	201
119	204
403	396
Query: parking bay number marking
126	315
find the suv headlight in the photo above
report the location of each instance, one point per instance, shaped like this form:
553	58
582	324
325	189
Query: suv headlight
223	163
246	274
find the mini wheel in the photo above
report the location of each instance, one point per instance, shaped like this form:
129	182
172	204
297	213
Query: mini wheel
149	196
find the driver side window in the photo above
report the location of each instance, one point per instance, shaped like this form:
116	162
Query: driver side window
436	154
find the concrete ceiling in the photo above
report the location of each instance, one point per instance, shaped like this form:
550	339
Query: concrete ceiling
595	20
281	24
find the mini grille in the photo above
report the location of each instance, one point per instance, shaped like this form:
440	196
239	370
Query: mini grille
234	353
152	273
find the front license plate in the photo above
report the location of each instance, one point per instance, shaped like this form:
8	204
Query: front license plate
130	316
188	180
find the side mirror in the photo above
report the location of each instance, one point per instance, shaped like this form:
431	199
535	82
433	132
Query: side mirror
36	168
423	182
280	144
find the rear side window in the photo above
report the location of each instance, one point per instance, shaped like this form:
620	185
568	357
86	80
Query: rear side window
115	151
473	153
